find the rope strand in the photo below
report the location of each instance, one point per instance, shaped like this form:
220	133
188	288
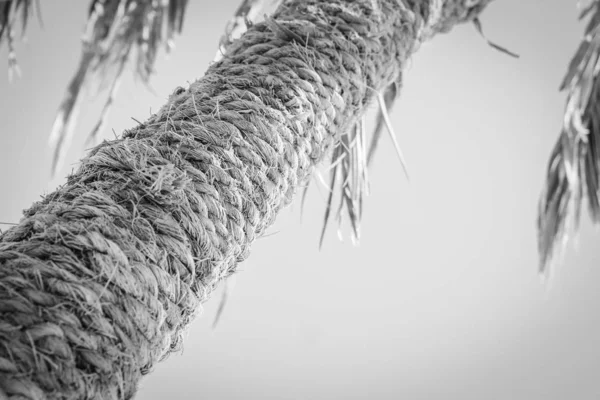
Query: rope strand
100	279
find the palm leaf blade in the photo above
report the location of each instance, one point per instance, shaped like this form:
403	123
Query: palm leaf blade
115	28
573	172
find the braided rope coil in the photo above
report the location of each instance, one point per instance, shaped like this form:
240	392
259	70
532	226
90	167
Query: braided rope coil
100	279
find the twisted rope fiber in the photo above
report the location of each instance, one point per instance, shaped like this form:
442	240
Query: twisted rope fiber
100	279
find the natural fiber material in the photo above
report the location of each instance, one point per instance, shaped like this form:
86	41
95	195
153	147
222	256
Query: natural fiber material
101	278
246	14
573	174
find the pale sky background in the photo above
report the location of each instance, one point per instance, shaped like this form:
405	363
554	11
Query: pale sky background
442	299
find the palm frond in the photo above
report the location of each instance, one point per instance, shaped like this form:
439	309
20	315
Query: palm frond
390	129
11	13
114	29
389	98
574	170
353	153
337	154
348	179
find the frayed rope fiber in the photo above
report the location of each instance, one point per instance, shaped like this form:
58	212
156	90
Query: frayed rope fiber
100	279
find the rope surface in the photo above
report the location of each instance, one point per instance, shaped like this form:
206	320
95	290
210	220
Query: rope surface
100	279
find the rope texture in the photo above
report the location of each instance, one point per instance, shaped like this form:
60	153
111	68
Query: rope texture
100	279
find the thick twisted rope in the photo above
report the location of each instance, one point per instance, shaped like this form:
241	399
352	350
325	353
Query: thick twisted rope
100	279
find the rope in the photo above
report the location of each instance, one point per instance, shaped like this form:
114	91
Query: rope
100	279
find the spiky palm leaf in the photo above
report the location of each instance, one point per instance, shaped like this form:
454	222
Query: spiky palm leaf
573	170
114	29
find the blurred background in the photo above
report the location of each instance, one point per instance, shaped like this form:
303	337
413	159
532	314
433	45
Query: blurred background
442	299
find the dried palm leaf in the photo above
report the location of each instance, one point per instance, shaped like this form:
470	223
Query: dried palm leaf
389	98
115	28
11	12
390	129
348	178
573	170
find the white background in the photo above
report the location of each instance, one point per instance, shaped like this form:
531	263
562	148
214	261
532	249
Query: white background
441	300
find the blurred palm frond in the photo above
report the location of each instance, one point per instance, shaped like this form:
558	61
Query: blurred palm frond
11	12
574	168
115	28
